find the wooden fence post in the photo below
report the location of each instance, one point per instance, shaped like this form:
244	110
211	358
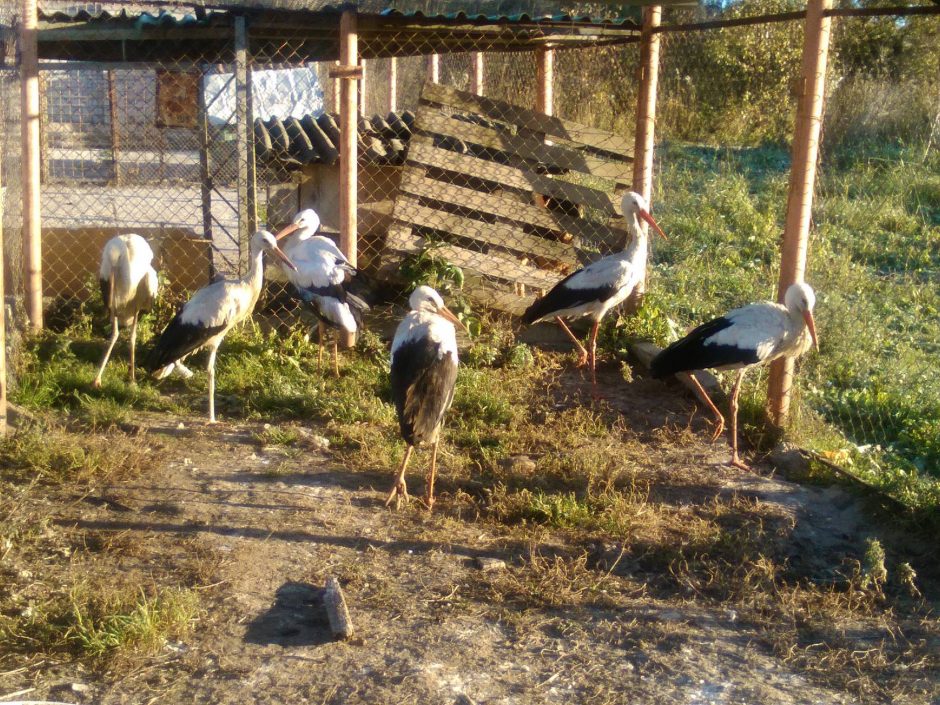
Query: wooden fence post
434	68
545	80
361	89
29	95
477	86
802	179
645	138
348	167
3	318
392	84
247	213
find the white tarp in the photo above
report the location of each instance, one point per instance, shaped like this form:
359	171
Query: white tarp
277	92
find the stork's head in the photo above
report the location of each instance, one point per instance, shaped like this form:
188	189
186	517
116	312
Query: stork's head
264	241
305	224
800	298
634	205
424	298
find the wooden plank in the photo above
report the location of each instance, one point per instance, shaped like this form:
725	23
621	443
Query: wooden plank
416	184
528	119
523	146
422	151
499	234
493	266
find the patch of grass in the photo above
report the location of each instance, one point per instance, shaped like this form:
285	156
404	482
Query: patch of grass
49	455
99	622
277	435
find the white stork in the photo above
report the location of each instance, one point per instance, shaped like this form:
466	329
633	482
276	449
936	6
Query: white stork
423	375
751	335
600	286
204	320
128	288
318	281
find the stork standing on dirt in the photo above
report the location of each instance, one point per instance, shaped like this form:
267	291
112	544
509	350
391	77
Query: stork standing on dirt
597	288
745	337
423	375
320	277
212	311
128	288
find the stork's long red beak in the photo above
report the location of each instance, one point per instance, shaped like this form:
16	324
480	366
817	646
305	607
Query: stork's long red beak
279	253
284	232
645	215
449	315
811	324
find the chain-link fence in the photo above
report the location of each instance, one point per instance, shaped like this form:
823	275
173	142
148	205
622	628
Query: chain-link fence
491	200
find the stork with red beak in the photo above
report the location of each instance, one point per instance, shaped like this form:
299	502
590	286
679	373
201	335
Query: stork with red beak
752	335
602	285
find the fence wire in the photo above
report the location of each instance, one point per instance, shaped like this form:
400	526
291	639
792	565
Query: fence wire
478	197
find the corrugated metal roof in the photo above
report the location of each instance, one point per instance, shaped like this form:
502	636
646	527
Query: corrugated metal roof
176	14
315	140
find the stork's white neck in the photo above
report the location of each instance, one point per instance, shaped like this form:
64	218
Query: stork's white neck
254	277
637	245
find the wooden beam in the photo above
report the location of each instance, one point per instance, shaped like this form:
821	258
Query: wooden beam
361	88
422	151
504	206
478	79
392	84
205	176
3	317
802	180
530	148
29	111
645	137
555	127
348	152
545	80
244	127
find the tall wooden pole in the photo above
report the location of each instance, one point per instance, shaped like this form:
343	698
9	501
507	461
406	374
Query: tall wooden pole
802	179
247	209
646	104
645	138
29	93
361	89
392	84
434	68
545	80
348	153
3	319
478	72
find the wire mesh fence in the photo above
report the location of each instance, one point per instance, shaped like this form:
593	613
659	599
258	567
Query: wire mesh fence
493	202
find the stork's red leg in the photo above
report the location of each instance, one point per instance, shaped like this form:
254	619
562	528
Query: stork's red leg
594	357
134	348
335	355
703	395
399	490
735	460
583	358
431	475
320	351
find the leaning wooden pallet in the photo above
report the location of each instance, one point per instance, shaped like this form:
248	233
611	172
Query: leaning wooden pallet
516	198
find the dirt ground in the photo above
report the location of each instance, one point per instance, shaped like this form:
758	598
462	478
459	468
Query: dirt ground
258	530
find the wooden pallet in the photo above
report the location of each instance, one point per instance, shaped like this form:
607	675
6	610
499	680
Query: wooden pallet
516	198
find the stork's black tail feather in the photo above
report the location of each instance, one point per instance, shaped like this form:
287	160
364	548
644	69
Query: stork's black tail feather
696	352
178	340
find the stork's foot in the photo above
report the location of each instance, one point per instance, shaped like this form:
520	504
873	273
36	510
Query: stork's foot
429	501
398	492
582	359
736	462
719	429
97	383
